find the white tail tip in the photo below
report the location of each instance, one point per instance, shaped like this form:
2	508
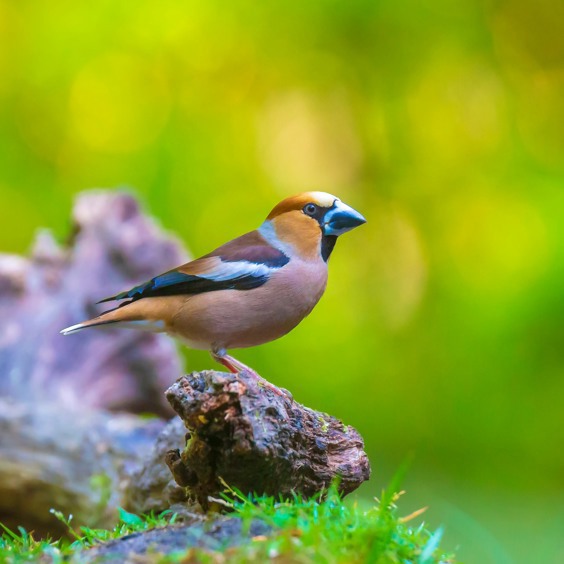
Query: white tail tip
73	329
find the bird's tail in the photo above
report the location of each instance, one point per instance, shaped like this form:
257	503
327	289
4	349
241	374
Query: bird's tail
131	315
96	322
108	317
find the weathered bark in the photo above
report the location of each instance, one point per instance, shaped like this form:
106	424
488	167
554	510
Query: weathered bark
256	438
150	487
245	432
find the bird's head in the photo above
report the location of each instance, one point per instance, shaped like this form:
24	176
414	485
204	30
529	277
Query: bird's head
312	221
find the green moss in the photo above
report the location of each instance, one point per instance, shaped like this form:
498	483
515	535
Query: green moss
324	530
21	546
327	529
324	423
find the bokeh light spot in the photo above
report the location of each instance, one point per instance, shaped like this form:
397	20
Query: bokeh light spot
309	143
456	111
399	263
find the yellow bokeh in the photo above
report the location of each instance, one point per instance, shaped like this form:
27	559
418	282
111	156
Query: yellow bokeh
499	245
119	102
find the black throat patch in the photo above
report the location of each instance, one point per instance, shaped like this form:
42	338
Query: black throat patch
327	245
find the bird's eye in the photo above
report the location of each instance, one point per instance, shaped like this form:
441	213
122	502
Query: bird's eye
310	209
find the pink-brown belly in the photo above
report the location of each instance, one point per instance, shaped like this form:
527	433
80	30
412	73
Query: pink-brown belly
245	318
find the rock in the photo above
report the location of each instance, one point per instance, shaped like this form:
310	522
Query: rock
75	462
211	534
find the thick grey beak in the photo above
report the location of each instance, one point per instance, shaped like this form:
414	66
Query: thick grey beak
340	219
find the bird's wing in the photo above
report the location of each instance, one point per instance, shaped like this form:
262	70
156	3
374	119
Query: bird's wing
242	264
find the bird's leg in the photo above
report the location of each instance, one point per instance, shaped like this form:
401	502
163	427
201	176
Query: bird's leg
232	364
235	366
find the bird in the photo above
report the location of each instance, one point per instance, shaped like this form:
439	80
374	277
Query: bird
252	290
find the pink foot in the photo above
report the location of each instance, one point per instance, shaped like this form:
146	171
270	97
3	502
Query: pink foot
235	366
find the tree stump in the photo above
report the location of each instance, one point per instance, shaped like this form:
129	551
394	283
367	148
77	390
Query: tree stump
255	437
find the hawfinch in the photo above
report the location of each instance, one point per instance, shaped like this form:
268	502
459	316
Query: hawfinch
252	290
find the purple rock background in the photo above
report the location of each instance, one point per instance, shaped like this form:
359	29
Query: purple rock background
114	246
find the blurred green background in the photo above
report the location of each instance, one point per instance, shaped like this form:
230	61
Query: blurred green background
441	334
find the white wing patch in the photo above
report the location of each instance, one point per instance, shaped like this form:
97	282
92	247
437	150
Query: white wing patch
237	269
